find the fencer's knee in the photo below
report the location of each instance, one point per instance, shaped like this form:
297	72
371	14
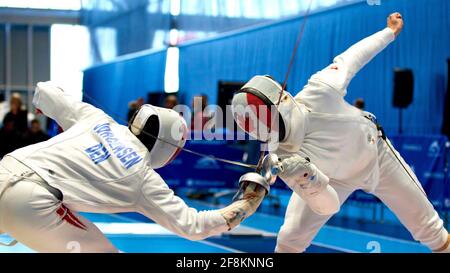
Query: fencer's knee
326	203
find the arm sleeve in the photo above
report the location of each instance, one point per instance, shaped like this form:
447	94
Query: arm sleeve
160	204
345	66
61	107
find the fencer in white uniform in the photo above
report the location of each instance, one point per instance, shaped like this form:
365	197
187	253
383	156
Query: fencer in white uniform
100	166
328	149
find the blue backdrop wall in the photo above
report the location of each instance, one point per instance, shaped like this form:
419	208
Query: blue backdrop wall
423	47
113	85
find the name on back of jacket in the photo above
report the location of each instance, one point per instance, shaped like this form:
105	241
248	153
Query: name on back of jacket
99	153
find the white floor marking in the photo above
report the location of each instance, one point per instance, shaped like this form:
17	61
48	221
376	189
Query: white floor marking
133	228
220	246
334	247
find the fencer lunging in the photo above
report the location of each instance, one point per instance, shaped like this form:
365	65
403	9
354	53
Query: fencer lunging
328	149
100	166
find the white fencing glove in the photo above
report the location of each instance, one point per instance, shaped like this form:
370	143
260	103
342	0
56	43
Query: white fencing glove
305	179
253	189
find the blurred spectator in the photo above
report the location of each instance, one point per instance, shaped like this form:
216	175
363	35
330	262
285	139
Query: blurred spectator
140	102
4	108
35	134
170	102
360	104
133	106
199	118
17	114
10	139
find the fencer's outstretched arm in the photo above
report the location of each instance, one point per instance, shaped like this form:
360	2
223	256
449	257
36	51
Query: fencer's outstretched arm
253	189
159	203
53	102
345	66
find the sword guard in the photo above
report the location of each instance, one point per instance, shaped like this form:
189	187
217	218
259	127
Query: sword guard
271	167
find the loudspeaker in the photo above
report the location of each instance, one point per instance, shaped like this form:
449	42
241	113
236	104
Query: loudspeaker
446	124
156	98
403	88
227	89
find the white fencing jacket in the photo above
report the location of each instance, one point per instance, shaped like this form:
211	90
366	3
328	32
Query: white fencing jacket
337	137
100	166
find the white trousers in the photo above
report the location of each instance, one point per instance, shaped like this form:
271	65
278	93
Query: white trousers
396	189
36	218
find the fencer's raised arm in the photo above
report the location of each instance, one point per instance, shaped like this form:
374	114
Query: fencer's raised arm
53	102
159	203
345	66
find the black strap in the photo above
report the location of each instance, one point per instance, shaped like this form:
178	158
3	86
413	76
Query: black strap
380	128
381	131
